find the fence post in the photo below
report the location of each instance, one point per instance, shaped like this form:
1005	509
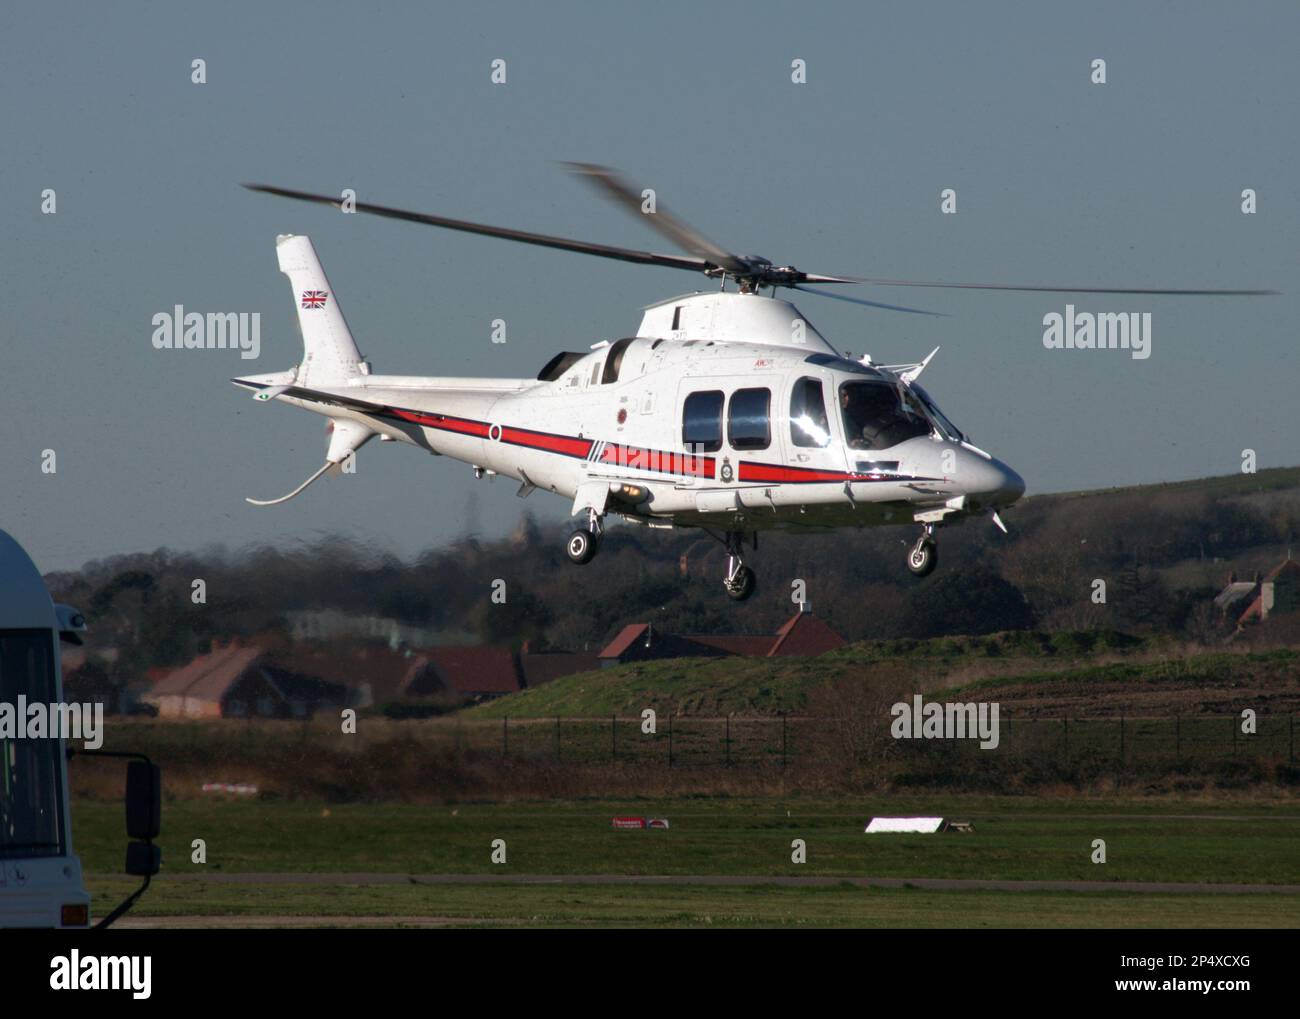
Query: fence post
505	735
727	740
670	741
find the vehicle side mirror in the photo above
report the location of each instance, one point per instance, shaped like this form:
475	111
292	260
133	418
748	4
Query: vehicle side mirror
143	859
143	802
72	624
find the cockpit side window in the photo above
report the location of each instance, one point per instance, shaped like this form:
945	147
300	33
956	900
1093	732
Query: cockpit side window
876	416
940	418
809	426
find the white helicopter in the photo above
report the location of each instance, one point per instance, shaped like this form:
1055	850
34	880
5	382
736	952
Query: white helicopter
725	411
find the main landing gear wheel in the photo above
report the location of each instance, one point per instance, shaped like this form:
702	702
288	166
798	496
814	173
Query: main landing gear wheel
740	580
581	547
740	585
923	556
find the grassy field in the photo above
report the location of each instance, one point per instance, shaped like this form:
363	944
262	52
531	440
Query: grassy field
1170	840
587	905
1036	674
1045	839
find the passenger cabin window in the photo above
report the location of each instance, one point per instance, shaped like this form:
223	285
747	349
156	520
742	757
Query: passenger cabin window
876	416
809	425
749	423
614	362
702	422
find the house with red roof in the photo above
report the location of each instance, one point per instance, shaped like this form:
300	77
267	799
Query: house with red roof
1278	591
241	681
472	671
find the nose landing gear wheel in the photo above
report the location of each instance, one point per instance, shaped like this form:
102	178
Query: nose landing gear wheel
581	547
740	585
923	556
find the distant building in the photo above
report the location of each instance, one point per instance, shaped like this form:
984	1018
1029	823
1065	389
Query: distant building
234	681
249	680
472	672
802	635
540	667
1277	592
372	674
1229	600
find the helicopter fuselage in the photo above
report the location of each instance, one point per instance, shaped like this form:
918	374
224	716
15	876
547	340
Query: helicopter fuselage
736	436
727	411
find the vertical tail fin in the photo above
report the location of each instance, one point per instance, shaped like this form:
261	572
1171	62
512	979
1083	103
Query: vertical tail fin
330	354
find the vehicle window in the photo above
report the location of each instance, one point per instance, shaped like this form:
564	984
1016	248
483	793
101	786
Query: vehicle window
808	423
876	417
702	422
31	796
748	419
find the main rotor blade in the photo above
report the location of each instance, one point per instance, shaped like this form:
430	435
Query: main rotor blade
522	236
1058	290
869	304
615	186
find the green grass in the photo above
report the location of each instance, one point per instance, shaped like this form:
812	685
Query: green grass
1268	480
685	906
772	686
1247	669
1014	839
700	686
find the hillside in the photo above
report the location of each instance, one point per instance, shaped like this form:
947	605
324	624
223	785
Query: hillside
1033	674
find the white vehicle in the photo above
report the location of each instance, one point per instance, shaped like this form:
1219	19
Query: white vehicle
726	411
41	884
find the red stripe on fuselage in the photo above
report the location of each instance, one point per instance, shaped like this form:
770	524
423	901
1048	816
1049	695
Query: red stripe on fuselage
546	441
636	458
442	422
631	457
761	472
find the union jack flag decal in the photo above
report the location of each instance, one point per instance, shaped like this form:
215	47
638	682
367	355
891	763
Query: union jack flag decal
314	298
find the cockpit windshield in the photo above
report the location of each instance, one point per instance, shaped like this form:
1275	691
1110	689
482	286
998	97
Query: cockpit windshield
949	430
878	415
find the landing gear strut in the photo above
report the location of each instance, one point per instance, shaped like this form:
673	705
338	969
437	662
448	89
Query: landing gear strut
924	555
584	543
740	580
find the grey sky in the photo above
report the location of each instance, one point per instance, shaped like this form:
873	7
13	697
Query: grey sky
1133	183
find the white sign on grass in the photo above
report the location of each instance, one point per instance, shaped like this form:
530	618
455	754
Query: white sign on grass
924	825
